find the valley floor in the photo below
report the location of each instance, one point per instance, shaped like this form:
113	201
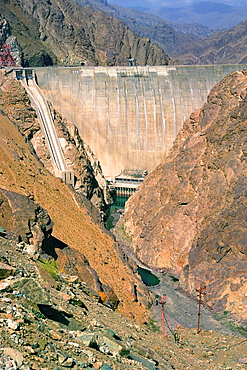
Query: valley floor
182	310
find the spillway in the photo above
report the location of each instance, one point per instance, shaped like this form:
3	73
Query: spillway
129	116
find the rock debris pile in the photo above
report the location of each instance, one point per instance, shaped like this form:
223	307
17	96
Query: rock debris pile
53	321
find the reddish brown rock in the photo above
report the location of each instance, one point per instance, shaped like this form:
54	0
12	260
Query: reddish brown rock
189	215
22	173
224	47
30	222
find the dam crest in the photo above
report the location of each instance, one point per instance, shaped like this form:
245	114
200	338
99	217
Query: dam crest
129	116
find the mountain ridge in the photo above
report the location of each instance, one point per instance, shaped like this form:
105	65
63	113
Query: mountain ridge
144	24
224	47
214	15
188	215
64	32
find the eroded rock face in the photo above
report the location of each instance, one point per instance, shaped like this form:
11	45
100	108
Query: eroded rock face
30	222
225	47
89	179
189	215
64	32
7	38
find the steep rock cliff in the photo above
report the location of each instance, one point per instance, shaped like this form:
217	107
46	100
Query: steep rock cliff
64	32
25	29
223	47
7	38
27	221
189	215
79	244
144	24
89	179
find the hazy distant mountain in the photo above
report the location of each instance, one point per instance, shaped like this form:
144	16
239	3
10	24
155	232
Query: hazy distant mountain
217	48
225	47
147	4
145	25
211	14
196	29
62	32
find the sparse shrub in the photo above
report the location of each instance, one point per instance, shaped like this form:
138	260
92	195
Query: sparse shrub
50	266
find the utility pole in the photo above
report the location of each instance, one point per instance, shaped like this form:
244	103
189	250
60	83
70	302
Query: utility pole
200	295
162	302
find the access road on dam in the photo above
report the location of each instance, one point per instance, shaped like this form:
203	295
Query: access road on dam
27	78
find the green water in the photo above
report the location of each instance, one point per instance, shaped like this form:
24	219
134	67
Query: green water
148	278
113	214
119	202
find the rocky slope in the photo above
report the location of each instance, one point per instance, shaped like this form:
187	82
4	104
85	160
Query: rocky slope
225	47
78	241
89	179
144	24
63	32
189	215
53	321
7	38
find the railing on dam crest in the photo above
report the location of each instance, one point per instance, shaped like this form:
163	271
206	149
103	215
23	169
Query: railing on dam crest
129	116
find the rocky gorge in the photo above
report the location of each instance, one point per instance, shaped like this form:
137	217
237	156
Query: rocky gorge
188	217
78	240
65	276
70	292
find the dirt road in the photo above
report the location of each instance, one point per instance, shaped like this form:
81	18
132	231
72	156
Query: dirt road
182	310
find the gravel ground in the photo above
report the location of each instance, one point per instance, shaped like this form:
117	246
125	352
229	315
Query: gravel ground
182	310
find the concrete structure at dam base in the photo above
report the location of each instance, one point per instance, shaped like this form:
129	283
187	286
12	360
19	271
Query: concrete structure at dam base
129	116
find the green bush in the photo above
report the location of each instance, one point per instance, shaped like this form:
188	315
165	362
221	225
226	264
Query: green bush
50	266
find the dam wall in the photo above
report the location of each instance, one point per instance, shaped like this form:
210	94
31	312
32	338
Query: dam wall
129	116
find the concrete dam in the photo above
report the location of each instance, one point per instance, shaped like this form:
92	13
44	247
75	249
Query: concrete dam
129	116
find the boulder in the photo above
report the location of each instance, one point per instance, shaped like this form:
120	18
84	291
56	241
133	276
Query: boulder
32	290
6	270
30	222
16	355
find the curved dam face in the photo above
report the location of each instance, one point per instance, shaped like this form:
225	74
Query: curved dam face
129	116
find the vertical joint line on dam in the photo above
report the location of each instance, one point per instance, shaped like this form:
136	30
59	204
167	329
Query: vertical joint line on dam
131	115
